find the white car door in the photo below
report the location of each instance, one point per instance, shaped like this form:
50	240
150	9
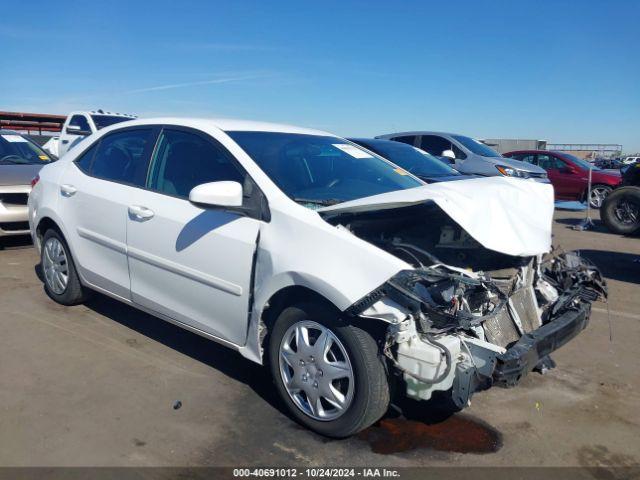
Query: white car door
190	263
95	194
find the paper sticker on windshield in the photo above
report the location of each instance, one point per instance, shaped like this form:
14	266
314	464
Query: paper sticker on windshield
43	157
400	171
14	138
355	152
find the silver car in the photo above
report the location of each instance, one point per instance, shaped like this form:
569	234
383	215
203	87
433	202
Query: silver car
468	155
20	161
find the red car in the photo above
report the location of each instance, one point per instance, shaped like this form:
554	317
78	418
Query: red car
570	175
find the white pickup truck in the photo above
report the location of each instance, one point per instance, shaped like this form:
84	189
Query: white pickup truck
82	123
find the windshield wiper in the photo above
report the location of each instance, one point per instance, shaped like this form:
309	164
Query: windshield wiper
315	201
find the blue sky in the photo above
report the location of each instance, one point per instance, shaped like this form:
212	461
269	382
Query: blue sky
565	71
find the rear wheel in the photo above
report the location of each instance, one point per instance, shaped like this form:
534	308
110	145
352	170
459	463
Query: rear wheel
329	373
61	280
621	211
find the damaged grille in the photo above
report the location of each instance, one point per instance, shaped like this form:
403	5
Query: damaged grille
501	310
500	329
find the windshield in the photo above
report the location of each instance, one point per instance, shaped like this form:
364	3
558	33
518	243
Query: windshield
102	121
476	147
319	170
412	159
16	149
579	161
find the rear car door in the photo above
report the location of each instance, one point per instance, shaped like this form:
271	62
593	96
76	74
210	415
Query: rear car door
190	263
95	193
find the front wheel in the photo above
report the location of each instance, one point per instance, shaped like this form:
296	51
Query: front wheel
598	195
620	212
329	373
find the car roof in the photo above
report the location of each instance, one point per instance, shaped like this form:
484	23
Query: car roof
224	124
416	132
372	141
10	132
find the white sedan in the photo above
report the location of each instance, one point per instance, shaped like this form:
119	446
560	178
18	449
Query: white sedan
340	271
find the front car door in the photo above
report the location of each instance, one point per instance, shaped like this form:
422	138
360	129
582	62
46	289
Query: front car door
68	138
94	197
436	145
190	263
569	184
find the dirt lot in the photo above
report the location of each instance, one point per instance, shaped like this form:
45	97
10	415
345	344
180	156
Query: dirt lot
96	385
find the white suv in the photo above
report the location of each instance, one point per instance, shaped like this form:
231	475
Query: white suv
336	268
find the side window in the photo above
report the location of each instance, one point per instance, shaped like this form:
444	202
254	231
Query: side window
121	157
525	157
80	121
84	161
184	160
434	145
408	139
459	153
549	162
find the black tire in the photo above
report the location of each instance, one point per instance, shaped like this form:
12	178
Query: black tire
74	293
371	384
608	211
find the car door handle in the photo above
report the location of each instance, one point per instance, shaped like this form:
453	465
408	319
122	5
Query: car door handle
68	190
140	213
65	142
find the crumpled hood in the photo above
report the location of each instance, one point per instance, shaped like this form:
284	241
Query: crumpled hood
508	215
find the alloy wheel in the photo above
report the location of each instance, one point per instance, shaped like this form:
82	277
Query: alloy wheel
598	194
627	212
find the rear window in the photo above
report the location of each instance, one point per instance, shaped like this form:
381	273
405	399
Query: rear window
102	121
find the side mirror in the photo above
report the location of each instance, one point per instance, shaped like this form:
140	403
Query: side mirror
76	130
449	154
217	194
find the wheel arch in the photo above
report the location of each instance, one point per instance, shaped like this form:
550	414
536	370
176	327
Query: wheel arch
264	317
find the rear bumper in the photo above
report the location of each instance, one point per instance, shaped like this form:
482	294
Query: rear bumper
532	347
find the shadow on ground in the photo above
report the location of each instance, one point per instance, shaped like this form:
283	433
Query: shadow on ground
598	226
206	351
19	241
407	426
624	267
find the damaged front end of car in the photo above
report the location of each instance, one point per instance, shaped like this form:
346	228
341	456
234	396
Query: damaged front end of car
482	302
463	331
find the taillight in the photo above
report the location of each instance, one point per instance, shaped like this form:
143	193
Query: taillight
35	180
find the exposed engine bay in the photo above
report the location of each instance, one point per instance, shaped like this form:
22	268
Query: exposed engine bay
466	317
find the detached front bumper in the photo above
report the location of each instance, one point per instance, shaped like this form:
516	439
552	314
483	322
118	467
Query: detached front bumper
526	353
